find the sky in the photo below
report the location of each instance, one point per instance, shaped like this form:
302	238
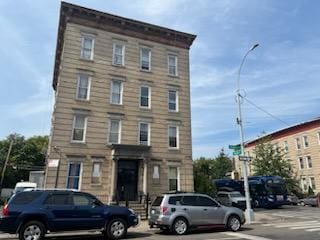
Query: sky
281	76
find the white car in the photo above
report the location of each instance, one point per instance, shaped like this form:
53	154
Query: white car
22	186
232	199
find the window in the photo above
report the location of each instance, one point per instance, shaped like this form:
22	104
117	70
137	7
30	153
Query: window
305	141
81	200
189	200
319	138
298	144
312	183
79	128
25	198
172	65
304	185
144	132
173	179
73	181
206	202
301	163
83	90
114	131
286	147
57	199
87	46
116	92
156	174
145	97
145	59
174	200
118	54
96	172
309	162
173	100
173	137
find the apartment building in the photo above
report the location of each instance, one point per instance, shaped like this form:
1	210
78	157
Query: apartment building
301	144
121	125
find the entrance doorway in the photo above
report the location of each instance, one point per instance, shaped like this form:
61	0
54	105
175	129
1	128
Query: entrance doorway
127	181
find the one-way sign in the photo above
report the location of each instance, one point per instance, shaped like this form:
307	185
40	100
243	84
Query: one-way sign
245	158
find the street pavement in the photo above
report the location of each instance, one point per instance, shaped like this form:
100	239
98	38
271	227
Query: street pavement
289	222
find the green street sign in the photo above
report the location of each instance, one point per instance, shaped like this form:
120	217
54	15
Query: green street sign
235	147
236	152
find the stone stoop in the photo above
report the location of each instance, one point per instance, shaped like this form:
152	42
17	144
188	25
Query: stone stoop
139	208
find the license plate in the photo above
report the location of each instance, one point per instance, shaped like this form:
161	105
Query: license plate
279	197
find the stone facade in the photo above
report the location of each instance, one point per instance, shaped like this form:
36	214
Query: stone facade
304	159
84	109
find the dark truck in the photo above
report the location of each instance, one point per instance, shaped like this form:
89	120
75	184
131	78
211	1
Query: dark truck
32	214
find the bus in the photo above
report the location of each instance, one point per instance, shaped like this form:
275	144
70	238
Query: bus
265	191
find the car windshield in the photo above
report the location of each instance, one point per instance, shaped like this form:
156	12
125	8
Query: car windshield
276	186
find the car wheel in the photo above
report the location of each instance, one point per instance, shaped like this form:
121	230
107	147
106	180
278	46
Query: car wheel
234	223
33	230
116	229
180	226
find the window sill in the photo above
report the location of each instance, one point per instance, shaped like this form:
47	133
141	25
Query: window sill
86	60
172	111
96	184
173	76
83	100
118	66
173	149
145	71
78	142
116	104
145	108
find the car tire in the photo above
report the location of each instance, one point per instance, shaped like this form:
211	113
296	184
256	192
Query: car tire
233	223
34	230
116	229
180	226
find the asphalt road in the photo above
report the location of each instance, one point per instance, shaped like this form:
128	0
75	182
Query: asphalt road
294	223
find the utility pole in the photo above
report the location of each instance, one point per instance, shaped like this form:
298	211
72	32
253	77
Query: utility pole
5	164
249	211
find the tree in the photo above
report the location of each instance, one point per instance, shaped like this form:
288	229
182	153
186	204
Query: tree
270	159
207	169
27	154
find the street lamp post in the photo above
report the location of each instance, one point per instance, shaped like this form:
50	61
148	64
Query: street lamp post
248	212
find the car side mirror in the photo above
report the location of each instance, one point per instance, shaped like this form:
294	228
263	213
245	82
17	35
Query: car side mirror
95	203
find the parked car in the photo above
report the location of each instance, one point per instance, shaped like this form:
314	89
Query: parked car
21	186
293	199
180	212
32	214
233	199
308	201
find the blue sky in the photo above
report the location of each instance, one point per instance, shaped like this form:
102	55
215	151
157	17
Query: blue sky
281	75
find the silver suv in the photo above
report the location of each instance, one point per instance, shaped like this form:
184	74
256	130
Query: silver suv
179	212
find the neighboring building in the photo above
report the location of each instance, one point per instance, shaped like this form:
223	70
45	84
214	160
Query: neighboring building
301	143
121	124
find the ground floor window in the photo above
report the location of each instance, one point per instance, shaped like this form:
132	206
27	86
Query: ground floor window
173	179
304	184
156	174
312	183
74	173
96	173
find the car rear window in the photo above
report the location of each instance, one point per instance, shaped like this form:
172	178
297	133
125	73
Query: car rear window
25	198
174	200
157	201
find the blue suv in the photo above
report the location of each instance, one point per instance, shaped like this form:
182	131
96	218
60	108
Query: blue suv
33	213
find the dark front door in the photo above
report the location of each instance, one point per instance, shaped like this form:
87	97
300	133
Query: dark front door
127	182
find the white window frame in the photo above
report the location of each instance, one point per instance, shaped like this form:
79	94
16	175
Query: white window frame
88	88
299	162
177	137
307	162
304	141
83	36
304	183
121	91
141	49
318	133
286	146
84	129
149	133
178	176
298	138
80	174
119	130
176	101
176	64
310	182
149	96
123	54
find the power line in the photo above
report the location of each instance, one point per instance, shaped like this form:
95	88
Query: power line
265	111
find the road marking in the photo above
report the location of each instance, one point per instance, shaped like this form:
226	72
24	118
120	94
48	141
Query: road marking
279	225
246	236
313	230
306	226
297	224
224	238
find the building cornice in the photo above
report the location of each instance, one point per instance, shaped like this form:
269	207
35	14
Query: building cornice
70	13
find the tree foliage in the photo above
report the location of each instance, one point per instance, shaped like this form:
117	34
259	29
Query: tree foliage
26	154
270	159
207	169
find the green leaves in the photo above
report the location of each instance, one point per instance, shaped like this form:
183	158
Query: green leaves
207	169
